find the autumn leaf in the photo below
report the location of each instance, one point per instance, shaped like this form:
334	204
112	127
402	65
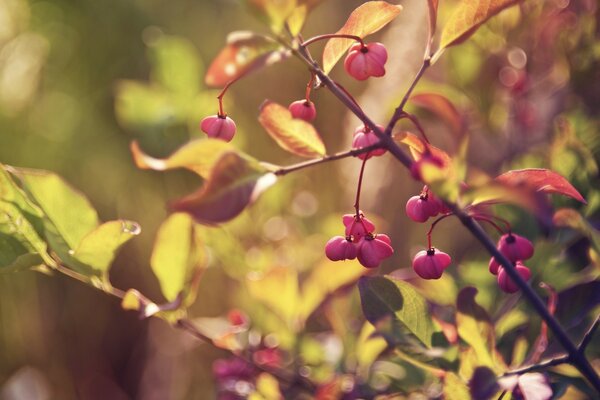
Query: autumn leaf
244	52
368	18
441	107
292	134
468	16
275	11
540	180
234	183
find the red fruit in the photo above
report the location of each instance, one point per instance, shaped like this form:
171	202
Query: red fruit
218	127
372	250
493	266
515	247
364	137
303	109
420	208
340	248
357	227
430	264
363	62
384	237
506	283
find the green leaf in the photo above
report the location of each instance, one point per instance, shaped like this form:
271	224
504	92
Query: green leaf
141	106
475	327
176	65
368	348
66	208
366	19
233	184
292	134
396	307
178	258
99	248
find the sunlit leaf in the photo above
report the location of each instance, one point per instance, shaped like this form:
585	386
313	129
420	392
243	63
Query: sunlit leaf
441	291
292	134
267	388
232	185
99	247
368	18
418	147
222	333
455	388
475	327
443	108
368	348
68	209
324	280
540	180
197	155
178	258
275	11
244	52
570	218
278	290
468	16
387	301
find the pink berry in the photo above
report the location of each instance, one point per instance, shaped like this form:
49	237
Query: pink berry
420	208
218	127
340	248
493	266
430	264
506	283
303	109
515	247
364	137
372	250
363	62
357	227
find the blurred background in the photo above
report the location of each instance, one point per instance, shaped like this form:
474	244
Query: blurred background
79	80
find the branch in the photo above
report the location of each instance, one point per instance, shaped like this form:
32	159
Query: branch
587	338
539	366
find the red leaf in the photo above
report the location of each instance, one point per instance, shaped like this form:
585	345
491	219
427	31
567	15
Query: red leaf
540	180
368	18
244	53
443	108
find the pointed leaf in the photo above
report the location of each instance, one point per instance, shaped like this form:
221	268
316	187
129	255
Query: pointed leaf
368	18
99	247
468	16
244	52
294	135
417	147
178	258
443	108
68	209
199	156
388	301
540	180
433	11
233	184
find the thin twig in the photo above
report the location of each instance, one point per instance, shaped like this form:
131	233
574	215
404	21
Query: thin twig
589	335
539	366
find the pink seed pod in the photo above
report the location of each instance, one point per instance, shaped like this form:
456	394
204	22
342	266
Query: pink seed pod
420	208
506	283
515	247
340	248
303	109
493	266
430	264
363	62
384	237
357	227
364	137
372	250
218	127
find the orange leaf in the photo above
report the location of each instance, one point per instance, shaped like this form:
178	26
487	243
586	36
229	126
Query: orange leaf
233	184
417	147
443	108
368	18
245	52
540	180
294	135
468	17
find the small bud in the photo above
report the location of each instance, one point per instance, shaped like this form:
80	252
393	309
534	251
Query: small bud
430	264
515	247
373	249
364	137
303	109
506	283
339	248
218	127
363	62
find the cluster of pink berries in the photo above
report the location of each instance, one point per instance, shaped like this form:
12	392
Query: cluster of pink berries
360	242
516	248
